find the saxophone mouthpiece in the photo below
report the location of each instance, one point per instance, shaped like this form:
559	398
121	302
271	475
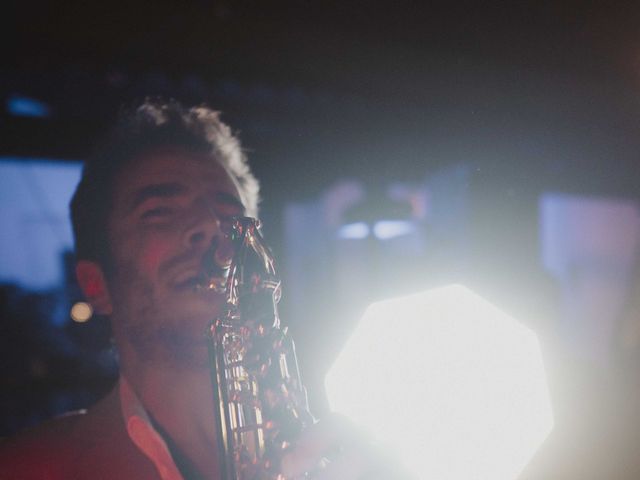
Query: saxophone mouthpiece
223	254
216	265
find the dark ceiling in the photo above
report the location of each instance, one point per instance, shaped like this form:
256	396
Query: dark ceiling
322	44
319	89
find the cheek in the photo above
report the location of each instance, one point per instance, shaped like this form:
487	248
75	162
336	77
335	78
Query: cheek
142	253
152	255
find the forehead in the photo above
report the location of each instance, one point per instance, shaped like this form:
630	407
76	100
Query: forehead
192	170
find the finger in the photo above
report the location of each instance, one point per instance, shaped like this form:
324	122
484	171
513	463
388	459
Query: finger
352	464
308	451
324	439
360	459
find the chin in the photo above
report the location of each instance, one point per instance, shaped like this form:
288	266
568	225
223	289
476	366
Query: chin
193	303
186	354
192	325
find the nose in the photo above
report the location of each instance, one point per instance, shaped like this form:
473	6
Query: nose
207	233
203	228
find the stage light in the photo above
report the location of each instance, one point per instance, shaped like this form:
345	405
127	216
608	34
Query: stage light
453	387
22	106
388	229
354	231
81	312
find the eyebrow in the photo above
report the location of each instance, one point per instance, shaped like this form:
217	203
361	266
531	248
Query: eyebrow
160	190
169	190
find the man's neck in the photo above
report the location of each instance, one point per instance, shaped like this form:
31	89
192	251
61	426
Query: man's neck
180	405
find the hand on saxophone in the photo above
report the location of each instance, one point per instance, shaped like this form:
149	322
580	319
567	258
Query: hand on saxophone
336	449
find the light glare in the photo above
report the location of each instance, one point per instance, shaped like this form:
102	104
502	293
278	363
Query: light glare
81	312
387	229
452	385
22	106
354	231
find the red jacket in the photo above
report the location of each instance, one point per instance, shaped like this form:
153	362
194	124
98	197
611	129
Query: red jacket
82	446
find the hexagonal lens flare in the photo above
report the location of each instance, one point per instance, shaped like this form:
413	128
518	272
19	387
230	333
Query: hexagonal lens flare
452	386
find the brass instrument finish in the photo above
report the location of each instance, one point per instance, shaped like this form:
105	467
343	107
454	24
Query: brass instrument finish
261	404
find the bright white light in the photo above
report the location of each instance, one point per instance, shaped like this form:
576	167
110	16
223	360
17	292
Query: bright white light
81	312
454	387
387	229
354	231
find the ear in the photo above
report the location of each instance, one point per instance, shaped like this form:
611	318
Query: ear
94	286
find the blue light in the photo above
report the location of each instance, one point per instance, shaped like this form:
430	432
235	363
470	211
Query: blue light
354	231
22	106
387	229
34	214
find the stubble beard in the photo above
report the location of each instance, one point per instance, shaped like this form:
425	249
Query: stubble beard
160	337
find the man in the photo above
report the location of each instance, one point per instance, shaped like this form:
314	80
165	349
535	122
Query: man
151	206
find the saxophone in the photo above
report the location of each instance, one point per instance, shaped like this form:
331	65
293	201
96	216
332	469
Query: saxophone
260	403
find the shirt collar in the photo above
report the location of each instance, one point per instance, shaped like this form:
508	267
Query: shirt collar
144	435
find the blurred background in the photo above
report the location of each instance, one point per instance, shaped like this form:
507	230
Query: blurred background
401	145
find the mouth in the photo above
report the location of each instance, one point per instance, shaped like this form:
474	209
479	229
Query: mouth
217	284
202	282
206	274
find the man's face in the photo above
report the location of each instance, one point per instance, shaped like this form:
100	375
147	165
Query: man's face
169	212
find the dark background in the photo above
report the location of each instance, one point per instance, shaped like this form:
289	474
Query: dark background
535	96
546	89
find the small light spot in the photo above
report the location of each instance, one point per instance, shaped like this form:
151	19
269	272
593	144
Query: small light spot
354	231
81	312
23	106
388	229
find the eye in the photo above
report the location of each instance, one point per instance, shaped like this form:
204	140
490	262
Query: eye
157	212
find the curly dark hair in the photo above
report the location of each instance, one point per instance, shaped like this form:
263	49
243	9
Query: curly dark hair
153	125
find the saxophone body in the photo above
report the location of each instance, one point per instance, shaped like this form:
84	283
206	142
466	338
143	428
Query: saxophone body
260	403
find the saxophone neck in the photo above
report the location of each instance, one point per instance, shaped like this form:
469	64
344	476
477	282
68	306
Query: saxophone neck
248	242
